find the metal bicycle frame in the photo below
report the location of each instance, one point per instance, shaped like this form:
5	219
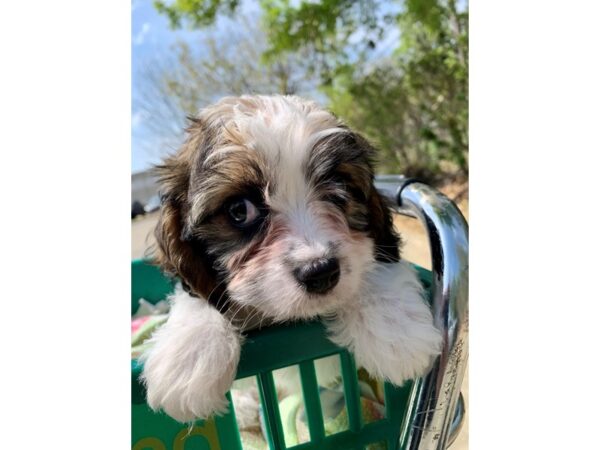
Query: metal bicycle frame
435	423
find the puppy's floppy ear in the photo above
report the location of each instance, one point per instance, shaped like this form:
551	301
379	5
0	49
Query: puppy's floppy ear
380	222
381	225
177	252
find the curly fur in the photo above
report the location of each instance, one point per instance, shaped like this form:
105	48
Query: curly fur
389	328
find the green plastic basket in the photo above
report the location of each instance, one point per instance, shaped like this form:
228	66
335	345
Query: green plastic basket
262	353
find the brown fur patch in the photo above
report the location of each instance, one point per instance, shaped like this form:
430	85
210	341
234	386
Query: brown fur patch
225	170
345	160
176	253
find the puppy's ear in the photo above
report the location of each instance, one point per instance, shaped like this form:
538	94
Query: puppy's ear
177	252
381	225
380	222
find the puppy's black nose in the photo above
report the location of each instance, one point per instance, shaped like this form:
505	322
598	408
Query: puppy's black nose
319	276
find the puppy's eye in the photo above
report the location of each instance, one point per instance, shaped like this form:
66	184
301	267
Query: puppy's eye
243	212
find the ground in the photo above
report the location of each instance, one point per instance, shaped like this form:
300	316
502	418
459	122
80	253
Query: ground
416	249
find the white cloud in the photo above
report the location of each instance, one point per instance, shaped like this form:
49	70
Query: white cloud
141	36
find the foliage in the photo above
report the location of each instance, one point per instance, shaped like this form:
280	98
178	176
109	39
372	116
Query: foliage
197	12
397	71
414	104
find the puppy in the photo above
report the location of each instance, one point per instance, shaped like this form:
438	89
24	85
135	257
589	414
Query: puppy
269	214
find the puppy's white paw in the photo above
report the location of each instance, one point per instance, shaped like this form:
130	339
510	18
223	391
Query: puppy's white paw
390	328
192	361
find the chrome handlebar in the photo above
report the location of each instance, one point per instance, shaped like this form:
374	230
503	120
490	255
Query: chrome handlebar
435	420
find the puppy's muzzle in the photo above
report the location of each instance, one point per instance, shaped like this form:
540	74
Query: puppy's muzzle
319	276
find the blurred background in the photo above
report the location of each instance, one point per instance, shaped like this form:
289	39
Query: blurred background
396	71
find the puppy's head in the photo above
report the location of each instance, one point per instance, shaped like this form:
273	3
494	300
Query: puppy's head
270	204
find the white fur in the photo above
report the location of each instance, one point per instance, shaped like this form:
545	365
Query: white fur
390	327
192	361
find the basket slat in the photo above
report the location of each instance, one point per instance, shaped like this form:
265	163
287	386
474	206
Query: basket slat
268	397
312	402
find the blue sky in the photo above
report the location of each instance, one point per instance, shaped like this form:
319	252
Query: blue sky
150	35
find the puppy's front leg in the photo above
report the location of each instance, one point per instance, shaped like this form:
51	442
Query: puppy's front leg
389	328
192	361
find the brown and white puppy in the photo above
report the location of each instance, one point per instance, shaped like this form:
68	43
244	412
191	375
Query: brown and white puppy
269	213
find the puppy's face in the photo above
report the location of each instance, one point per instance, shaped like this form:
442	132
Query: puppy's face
270	204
